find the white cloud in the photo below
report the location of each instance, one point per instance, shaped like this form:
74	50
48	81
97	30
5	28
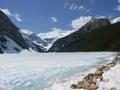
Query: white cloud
118	1
8	13
92	2
79	22
17	16
66	4
110	16
73	6
76	7
117	8
100	16
88	10
54	19
80	7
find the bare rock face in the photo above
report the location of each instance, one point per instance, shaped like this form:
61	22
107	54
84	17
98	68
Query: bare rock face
93	24
9	29
68	40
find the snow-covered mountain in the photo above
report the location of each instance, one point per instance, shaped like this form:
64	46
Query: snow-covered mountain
33	41
50	37
44	40
32	36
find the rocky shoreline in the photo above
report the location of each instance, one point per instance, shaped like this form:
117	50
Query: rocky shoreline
92	80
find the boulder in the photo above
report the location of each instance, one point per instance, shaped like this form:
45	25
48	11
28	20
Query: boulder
101	68
73	86
106	80
98	73
107	68
80	84
93	86
112	65
113	88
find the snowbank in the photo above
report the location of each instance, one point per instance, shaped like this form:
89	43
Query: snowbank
113	79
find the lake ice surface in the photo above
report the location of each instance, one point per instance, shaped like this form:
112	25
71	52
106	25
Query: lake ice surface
47	71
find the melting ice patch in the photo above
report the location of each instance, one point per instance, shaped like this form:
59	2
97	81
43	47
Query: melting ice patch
47	71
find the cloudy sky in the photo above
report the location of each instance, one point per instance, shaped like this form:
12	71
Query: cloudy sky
46	15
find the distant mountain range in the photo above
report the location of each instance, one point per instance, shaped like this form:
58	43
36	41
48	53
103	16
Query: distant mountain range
95	35
45	39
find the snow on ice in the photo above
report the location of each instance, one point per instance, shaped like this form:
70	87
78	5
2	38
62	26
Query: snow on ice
47	71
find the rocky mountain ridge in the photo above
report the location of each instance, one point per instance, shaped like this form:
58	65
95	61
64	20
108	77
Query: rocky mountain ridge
8	29
68	40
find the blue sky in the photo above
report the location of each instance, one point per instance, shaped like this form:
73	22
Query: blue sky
46	15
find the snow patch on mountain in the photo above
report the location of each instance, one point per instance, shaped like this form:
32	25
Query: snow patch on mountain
10	46
115	20
26	31
32	37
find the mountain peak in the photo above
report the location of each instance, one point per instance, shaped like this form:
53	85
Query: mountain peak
93	24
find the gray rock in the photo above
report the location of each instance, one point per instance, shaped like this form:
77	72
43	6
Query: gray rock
73	86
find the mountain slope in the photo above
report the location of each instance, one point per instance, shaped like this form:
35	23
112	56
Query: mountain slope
81	40
102	39
33	41
34	46
8	28
10	46
11	40
10	33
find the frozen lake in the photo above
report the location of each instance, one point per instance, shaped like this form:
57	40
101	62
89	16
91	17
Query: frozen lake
47	71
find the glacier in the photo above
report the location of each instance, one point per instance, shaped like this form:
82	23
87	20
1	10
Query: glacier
47	71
